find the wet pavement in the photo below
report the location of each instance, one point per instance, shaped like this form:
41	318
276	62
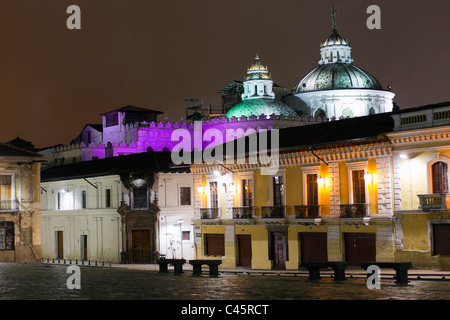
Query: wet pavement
144	282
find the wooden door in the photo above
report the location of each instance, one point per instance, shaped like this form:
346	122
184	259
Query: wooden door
84	252
279	250
60	244
359	247
140	242
245	250
441	239
215	244
313	246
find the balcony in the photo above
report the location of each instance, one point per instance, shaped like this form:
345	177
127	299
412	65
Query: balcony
209	213
9	205
243	212
273	212
433	202
308	211
354	210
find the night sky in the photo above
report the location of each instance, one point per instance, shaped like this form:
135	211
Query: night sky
155	54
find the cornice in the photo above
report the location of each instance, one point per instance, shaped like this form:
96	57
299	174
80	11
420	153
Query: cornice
352	152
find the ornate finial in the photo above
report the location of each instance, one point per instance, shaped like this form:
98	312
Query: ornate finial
334	9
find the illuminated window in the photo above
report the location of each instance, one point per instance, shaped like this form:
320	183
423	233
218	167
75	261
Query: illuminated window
312	192
278	190
439	173
359	188
214	196
247	194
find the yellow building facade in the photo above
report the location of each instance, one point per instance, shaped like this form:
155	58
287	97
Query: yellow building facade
421	156
372	195
333	203
20	219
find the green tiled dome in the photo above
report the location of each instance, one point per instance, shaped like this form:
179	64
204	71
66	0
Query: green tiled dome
337	76
257	107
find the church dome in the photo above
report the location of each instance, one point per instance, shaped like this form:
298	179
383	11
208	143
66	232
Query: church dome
336	69
260	106
337	87
258	97
337	76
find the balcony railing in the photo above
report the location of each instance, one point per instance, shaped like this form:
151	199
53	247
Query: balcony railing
308	211
273	211
9	205
243	212
354	210
430	202
209	213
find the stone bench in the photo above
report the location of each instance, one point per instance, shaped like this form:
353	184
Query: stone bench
401	269
315	266
177	264
212	264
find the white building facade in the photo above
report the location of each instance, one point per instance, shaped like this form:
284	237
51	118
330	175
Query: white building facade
128	209
176	204
80	219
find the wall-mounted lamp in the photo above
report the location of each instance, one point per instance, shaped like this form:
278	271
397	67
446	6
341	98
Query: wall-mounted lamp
322	181
201	189
369	177
403	156
232	187
217	173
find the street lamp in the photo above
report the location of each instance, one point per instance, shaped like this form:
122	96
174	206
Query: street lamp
180	221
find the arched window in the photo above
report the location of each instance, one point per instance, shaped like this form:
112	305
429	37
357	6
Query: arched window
439	176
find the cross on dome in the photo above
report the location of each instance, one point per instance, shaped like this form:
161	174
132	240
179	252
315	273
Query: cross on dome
334	9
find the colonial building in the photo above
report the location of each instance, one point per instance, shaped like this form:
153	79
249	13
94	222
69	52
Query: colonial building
328	200
114	209
20	220
372	188
420	144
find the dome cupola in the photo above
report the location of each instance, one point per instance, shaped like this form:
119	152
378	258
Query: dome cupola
336	87
258	97
336	69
